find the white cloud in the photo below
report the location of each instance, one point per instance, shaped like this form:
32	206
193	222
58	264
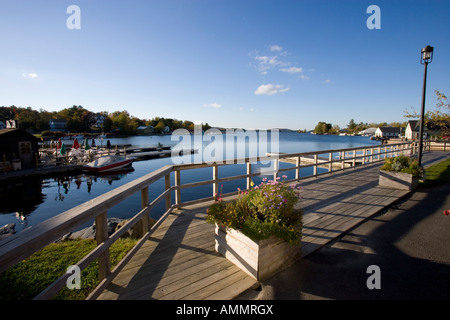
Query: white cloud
212	105
327	81
266	63
270	89
31	75
276	48
292	70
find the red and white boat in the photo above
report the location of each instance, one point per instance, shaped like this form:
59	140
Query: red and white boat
108	163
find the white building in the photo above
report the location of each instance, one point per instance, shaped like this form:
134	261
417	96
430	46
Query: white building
412	130
388	132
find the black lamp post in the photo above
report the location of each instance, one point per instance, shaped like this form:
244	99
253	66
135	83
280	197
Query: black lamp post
426	56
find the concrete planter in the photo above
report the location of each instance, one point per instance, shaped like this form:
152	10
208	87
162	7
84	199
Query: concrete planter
16	164
260	259
397	180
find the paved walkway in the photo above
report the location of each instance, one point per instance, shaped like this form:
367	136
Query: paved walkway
179	260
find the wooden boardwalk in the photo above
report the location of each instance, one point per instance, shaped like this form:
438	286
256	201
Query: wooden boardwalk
179	260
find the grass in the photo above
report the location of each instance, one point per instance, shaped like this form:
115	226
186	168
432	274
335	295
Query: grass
437	174
29	277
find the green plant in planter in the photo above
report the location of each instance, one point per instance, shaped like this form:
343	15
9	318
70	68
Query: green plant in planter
403	164
263	211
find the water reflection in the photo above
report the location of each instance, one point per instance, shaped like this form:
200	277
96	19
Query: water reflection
64	184
20	198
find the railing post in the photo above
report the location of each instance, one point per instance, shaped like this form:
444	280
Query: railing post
215	178
330	159
364	156
144	203
167	186
371	154
249	172
297	170
276	165
101	233
354	158
315	165
177	191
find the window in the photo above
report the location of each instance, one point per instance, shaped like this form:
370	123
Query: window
25	147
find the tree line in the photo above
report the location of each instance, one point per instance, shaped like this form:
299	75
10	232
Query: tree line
353	127
437	118
81	120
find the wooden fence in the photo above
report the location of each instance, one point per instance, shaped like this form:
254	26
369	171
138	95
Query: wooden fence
18	247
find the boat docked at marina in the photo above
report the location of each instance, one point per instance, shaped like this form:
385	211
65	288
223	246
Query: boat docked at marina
108	163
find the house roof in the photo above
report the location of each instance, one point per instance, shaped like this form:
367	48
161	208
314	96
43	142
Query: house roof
390	129
414	124
4	132
431	125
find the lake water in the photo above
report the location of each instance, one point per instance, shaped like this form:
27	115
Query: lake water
31	201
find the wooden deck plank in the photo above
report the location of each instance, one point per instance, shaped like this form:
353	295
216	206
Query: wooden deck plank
202	284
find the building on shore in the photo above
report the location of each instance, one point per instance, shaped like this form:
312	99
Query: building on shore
18	149
57	125
388	132
412	130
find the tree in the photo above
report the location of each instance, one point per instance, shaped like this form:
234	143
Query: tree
160	126
440	117
78	118
352	125
322	127
122	121
107	124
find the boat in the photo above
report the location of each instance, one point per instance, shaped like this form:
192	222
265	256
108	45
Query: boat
108	163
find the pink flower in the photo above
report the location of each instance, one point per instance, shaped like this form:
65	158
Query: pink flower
447	212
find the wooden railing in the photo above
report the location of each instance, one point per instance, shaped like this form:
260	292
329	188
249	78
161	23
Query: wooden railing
21	246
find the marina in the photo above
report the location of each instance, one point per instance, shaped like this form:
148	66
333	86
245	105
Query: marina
60	187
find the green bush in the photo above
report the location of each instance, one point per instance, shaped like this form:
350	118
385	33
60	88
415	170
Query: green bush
29	277
403	164
263	211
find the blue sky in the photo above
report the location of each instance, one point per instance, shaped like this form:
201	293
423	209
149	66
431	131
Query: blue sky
231	63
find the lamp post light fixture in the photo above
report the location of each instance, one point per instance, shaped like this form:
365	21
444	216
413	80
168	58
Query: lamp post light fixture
426	56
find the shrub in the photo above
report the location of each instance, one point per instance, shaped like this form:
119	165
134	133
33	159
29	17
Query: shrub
261	212
403	164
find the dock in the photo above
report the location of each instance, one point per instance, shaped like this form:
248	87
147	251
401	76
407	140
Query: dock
176	258
321	162
179	262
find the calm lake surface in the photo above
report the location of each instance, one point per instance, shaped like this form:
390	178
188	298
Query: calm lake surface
31	201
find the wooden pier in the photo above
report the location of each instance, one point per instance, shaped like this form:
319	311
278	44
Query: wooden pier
179	260
176	259
321	162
